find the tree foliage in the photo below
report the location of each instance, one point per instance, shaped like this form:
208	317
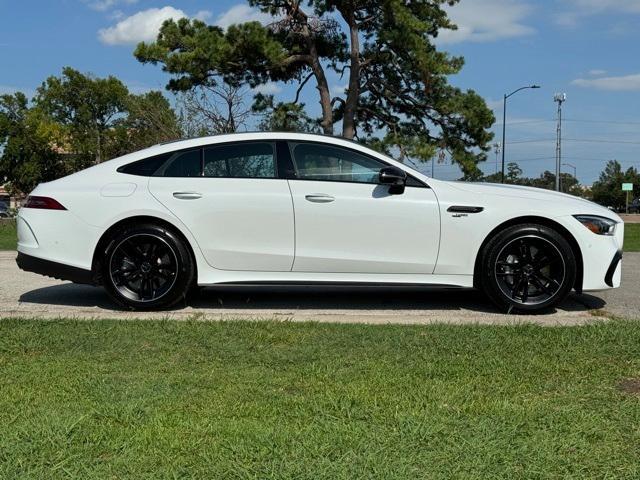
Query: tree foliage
282	116
547	180
398	96
607	190
30	145
76	120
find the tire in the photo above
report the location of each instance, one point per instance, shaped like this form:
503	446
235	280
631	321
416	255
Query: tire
147	267
527	268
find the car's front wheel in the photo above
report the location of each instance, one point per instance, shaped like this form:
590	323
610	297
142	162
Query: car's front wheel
528	268
147	267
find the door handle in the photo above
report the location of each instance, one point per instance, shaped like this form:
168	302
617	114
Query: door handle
319	198
187	195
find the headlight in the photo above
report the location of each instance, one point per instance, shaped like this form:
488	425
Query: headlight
599	225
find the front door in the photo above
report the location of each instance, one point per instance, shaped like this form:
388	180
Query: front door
230	198
346	222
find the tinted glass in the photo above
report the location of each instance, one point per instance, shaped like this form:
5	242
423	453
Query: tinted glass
182	164
146	167
240	160
324	162
172	164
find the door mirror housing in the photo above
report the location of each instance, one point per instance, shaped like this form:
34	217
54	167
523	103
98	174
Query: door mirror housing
395	177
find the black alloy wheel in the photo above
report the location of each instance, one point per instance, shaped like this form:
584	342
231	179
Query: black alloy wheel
528	268
147	267
143	267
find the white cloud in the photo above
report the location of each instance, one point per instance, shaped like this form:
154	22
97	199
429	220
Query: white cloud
116	15
104	5
596	72
140	27
240	14
494	104
621	83
578	9
486	21
203	15
339	89
269	88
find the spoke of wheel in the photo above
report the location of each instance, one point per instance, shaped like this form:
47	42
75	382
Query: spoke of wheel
136	248
515	267
163	274
541	260
516	287
525	290
548	280
525	251
542	286
144	289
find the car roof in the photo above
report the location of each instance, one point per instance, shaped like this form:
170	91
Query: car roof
239	137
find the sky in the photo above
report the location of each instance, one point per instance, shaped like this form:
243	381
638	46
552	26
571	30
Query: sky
584	48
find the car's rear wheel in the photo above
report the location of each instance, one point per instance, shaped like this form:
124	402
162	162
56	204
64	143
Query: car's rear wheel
528	268
147	267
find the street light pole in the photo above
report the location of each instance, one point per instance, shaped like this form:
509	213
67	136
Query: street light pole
504	120
574	169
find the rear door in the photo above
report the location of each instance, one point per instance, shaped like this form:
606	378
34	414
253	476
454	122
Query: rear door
230	197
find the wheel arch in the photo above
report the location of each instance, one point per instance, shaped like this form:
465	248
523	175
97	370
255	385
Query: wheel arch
541	221
107	236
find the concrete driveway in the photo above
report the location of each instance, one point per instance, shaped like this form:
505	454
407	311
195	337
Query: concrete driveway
28	295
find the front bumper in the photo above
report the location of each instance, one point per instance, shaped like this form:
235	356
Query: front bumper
57	270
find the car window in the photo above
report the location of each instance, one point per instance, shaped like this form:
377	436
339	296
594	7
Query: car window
325	162
185	163
240	160
181	164
146	167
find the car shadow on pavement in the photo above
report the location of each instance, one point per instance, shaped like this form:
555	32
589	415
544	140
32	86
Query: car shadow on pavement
286	298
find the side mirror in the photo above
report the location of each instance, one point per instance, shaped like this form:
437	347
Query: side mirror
395	177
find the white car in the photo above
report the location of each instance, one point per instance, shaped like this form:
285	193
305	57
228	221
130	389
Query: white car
284	208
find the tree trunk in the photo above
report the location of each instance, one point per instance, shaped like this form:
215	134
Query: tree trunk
323	88
351	104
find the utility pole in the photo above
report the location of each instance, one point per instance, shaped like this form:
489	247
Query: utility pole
496	148
504	120
559	98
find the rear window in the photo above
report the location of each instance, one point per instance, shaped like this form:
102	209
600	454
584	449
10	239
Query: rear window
185	163
146	167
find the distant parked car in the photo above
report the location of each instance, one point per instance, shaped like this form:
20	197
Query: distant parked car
634	206
284	208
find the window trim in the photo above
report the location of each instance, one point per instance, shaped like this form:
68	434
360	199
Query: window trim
292	143
202	148
283	156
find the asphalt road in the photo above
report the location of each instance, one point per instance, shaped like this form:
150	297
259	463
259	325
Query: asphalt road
29	295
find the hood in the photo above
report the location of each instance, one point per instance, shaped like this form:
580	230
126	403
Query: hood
533	193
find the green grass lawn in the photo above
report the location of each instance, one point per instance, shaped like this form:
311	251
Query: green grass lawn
8	235
153	399
632	237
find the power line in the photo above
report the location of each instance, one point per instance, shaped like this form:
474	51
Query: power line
576	120
612	122
578	140
596	140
